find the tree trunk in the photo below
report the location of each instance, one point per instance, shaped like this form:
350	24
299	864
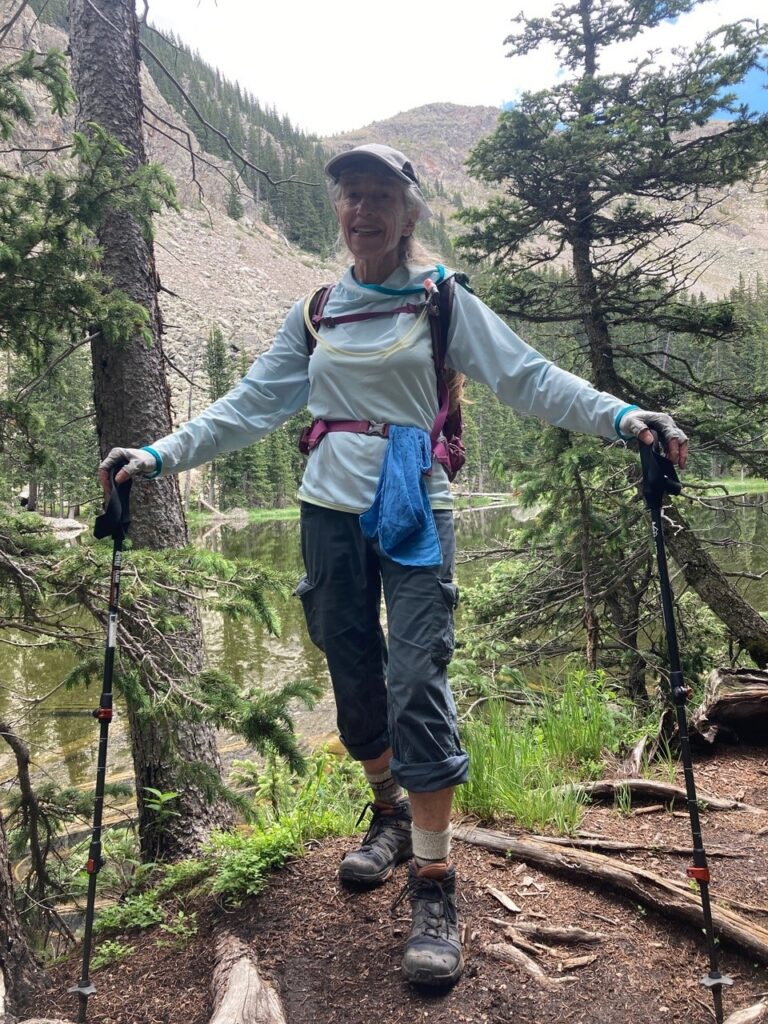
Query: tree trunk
21	973
133	408
701	572
699	569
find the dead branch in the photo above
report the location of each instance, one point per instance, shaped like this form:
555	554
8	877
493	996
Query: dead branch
510	954
669	898
206	124
519	940
27	390
568	935
240	994
657	790
735	703
597	843
750	1014
6	28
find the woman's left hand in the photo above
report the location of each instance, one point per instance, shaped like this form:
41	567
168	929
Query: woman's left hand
640	424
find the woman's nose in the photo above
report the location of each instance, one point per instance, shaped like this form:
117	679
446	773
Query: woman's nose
365	204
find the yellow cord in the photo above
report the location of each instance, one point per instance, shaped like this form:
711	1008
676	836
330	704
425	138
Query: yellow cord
378	353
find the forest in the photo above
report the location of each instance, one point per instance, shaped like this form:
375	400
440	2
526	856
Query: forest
601	187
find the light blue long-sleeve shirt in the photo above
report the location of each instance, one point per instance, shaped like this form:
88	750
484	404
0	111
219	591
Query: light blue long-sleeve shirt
381	370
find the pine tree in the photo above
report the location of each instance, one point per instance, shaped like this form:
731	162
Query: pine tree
173	753
607	171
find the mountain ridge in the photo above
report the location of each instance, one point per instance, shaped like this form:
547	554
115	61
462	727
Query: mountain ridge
243	274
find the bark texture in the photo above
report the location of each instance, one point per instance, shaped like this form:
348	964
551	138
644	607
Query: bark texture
133	408
240	994
21	974
734	705
701	573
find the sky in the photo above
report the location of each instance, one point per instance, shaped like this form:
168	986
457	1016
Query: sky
334	67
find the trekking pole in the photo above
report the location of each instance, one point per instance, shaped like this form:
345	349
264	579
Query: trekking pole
113	522
660	478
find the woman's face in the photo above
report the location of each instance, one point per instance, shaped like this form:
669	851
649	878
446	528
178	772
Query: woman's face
373	217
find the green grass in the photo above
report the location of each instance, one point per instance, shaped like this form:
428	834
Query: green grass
265	515
523	761
480	500
289	810
734	485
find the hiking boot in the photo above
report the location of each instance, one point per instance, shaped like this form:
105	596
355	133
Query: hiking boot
386	844
433	951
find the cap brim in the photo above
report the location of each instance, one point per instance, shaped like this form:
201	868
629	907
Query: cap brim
346	161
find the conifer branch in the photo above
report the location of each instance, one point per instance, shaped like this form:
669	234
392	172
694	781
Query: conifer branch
206	124
27	390
6	28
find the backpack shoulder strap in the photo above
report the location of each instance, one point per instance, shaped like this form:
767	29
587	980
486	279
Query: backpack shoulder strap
445	305
313	312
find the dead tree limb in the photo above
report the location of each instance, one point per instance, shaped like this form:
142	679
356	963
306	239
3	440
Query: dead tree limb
656	790
596	843
564	935
240	994
510	954
669	898
734	705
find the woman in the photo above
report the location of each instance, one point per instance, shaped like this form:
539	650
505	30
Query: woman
372	374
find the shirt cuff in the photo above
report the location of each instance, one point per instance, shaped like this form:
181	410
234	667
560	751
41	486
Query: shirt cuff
158	462
619	416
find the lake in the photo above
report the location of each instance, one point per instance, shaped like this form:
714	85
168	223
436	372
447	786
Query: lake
63	735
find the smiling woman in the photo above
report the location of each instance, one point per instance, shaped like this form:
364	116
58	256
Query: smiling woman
376	512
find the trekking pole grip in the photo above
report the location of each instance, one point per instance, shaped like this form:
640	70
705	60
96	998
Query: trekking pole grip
116	517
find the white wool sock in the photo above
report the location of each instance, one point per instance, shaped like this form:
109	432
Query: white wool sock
430	847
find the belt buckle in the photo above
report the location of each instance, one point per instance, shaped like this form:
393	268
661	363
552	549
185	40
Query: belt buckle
376	429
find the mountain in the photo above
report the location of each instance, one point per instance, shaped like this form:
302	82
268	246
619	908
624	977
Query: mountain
242	274
437	137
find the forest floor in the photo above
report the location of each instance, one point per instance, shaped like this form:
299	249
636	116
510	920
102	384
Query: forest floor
334	956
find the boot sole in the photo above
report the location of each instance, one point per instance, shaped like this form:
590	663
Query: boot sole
426	979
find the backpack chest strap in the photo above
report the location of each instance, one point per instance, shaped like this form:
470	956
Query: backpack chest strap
319	320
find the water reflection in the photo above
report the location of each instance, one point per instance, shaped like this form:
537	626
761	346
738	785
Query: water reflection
63	736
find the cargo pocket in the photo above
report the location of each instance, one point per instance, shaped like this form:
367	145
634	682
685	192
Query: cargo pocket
307	594
443	643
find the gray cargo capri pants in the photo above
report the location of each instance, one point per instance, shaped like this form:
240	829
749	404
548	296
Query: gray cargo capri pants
391	692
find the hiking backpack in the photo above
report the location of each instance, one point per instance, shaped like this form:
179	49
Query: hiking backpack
445	435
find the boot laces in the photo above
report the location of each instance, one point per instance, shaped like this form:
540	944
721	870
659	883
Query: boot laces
436	908
379	822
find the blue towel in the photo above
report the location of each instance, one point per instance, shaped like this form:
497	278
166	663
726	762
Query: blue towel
401	515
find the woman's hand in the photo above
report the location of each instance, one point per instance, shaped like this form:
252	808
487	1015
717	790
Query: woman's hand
138	462
639	423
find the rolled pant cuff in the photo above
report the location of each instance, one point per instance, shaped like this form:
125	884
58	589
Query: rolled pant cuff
367	751
430	777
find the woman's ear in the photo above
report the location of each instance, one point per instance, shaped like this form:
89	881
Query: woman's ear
409	226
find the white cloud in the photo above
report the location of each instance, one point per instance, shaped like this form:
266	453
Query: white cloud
338	66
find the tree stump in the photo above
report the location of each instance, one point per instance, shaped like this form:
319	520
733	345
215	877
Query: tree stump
734	708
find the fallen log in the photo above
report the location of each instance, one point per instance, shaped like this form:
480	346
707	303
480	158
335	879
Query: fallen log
669	898
595	843
734	706
240	994
567	934
656	790
750	1014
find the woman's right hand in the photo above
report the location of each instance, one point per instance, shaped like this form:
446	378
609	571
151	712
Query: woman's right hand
138	463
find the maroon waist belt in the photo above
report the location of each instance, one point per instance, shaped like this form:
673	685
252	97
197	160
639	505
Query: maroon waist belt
312	435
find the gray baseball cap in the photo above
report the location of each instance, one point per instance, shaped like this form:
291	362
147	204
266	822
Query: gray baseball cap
391	160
